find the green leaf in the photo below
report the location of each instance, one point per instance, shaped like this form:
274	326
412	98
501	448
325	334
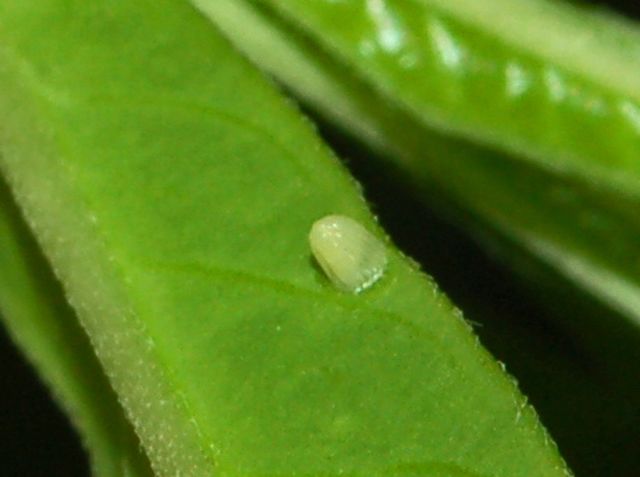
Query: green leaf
560	369
542	80
173	192
510	207
553	216
42	323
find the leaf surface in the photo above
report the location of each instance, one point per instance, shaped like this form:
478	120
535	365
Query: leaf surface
557	218
173	192
39	319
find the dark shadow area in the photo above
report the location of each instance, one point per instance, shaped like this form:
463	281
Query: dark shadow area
629	8
36	437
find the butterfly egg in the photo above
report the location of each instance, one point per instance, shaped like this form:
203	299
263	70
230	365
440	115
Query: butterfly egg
349	254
